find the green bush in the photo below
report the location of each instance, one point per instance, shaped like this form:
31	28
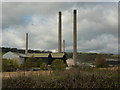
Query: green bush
39	62
28	63
32	62
9	65
43	66
4	65
58	64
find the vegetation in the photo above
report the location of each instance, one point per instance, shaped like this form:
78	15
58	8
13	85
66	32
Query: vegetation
74	78
9	65
90	57
100	61
7	49
43	66
58	64
32	62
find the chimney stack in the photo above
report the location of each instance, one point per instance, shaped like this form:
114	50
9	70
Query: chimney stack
75	36
63	45
26	50
59	32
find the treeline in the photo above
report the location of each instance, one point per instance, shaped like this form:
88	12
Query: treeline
7	49
89	57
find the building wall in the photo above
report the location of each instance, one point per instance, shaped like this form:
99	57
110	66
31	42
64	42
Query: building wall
21	60
13	56
70	62
113	63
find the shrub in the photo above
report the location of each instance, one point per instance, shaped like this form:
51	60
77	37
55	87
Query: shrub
15	63
39	62
72	78
58	64
31	62
9	65
27	64
4	65
100	61
43	66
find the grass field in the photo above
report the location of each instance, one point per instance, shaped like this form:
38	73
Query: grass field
74	78
25	73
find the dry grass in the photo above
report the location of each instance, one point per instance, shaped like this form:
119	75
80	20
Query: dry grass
73	78
110	68
25	73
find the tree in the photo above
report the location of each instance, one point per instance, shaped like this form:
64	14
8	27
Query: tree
32	62
39	62
28	63
58	64
100	60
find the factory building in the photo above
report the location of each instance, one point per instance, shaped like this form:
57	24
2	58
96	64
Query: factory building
48	58
14	56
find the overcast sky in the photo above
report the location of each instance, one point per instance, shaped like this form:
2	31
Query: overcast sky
97	25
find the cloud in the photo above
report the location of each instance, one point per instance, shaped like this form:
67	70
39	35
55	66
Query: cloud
103	43
97	25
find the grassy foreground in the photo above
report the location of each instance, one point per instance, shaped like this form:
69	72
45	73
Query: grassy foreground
73	78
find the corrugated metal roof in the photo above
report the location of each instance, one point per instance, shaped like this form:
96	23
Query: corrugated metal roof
37	55
57	55
19	54
53	55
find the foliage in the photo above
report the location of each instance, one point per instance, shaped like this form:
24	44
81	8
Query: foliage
9	65
28	63
39	62
100	61
7	49
4	65
73	78
58	64
83	57
32	62
43	66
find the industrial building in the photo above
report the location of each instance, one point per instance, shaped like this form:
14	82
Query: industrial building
14	56
46	57
113	62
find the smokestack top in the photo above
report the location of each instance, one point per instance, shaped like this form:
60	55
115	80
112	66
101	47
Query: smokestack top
75	10
60	12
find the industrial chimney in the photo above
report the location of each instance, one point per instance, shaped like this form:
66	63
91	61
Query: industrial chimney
63	45
75	36
26	50
59	32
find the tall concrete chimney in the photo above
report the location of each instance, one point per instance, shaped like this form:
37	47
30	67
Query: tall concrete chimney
26	50
75	36
63	45
59	32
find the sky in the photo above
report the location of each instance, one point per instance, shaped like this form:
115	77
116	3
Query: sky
97	25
